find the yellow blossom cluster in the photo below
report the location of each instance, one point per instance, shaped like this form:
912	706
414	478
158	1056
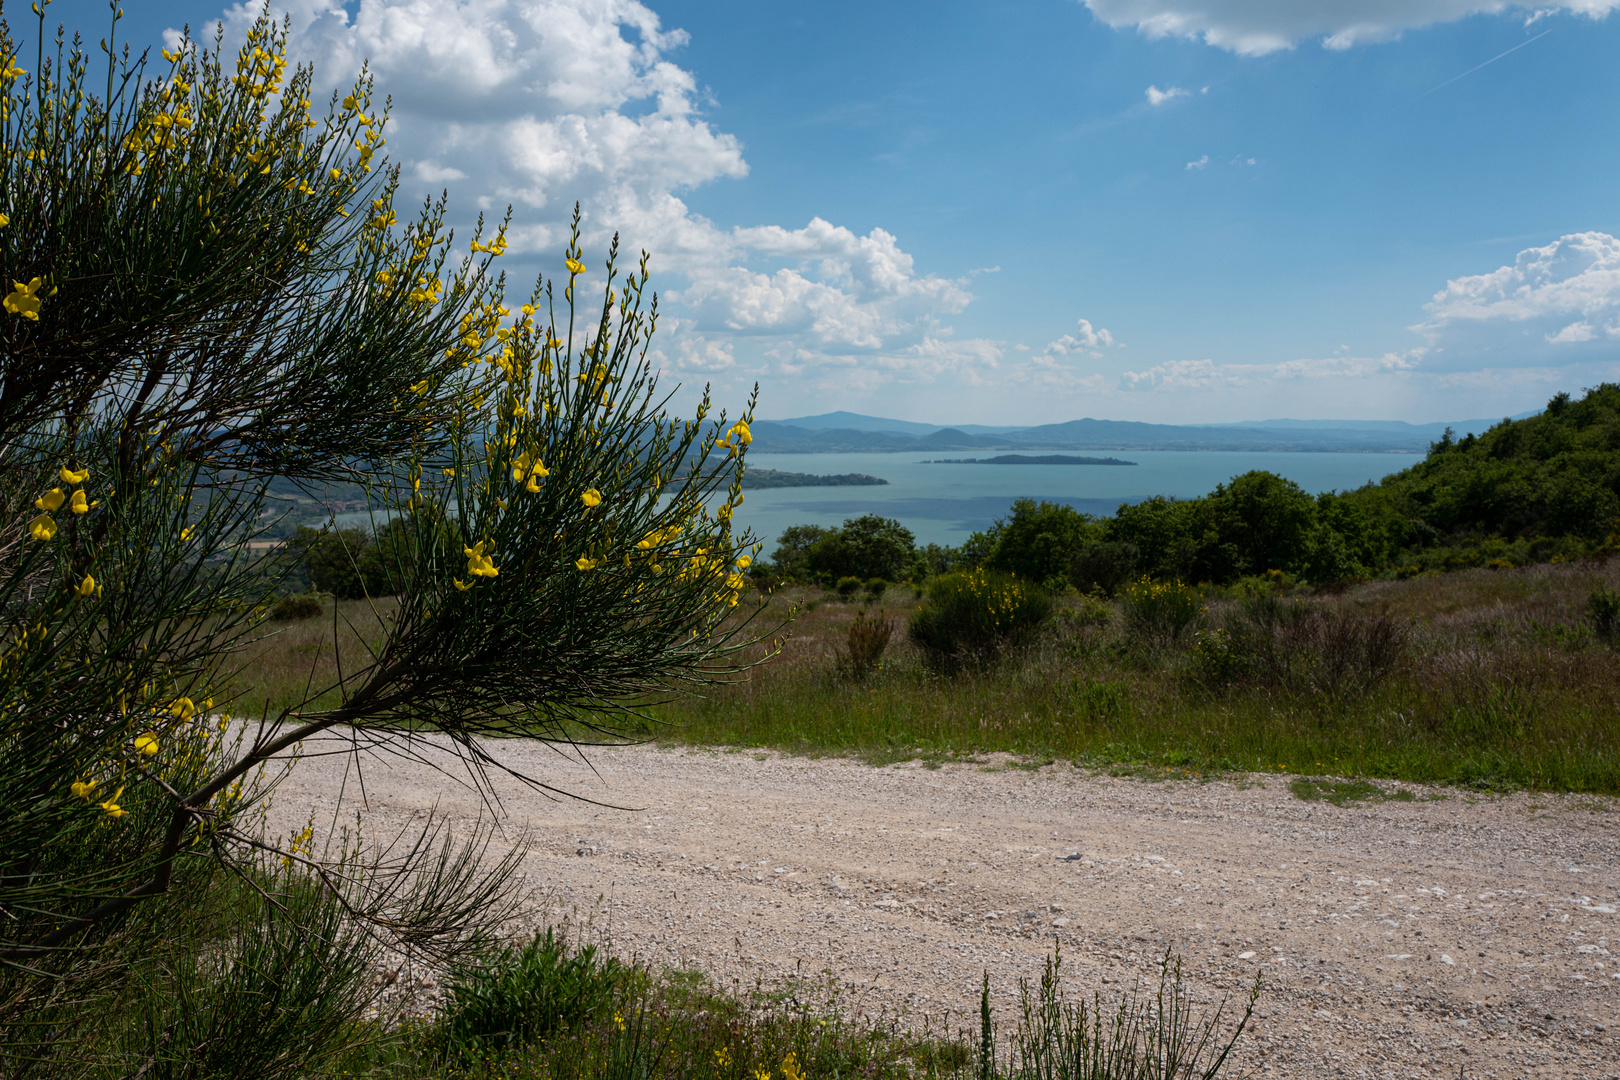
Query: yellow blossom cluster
44	527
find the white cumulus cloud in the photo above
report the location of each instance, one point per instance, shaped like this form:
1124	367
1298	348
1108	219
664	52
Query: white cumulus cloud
1554	304
1157	97
542	103
1575	274
1256	27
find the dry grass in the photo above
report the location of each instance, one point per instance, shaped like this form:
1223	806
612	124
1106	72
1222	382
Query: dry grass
1501	683
294	664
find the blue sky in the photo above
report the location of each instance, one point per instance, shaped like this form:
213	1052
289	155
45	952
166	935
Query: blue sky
1174	210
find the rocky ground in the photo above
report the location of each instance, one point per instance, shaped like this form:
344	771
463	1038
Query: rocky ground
1453	933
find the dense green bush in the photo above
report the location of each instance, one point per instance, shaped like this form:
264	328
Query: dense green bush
847	587
1038	540
1160	613
865	547
1103	566
1302	647
876	587
295	608
525	993
973	619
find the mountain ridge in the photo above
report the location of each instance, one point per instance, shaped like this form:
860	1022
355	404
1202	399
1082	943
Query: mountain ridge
847	432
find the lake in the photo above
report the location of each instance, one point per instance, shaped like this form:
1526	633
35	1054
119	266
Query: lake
943	504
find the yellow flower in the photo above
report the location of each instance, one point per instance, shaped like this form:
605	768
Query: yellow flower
182	708
585	563
42	527
83	789
575	266
78	504
51	501
420	387
87	587
740	434
591	497
112	807
5	219
70	477
479	564
22	300
450	473
521	466
185	533
744	562
458	583
146	744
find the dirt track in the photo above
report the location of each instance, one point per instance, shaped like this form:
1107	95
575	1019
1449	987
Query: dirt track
1396	939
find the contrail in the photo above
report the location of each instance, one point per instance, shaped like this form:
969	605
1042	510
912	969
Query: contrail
1487	63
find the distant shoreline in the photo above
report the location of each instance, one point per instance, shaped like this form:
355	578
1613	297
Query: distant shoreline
1029	459
776	478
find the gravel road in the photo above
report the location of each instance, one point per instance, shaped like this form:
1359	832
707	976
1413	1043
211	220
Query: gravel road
1396	939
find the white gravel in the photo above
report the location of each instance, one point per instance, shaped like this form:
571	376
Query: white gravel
1396	939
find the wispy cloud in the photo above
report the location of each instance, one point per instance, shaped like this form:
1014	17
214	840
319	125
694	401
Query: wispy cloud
1157	97
1199	164
1257	27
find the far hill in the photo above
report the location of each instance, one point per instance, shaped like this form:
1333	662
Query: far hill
844	432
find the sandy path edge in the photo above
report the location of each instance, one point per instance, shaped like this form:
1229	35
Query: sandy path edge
1396	939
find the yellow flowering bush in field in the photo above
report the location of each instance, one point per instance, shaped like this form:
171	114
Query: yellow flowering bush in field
212	289
973	619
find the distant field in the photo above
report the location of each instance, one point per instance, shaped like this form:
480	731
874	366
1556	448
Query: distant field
1502	685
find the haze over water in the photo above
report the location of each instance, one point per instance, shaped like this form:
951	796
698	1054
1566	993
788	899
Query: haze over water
944	504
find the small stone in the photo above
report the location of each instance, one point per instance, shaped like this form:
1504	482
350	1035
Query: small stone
1060	923
1246	955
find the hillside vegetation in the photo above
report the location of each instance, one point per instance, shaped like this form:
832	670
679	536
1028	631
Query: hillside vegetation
1541	489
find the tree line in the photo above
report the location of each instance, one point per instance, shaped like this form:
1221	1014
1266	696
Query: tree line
1543	488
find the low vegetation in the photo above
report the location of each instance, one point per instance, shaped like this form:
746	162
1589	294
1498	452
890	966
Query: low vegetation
1491	679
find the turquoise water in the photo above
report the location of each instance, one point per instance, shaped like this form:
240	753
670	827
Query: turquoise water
943	504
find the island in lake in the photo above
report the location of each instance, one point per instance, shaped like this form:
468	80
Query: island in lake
773	478
1030	459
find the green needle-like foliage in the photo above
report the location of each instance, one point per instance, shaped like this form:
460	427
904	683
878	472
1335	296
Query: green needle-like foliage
209	289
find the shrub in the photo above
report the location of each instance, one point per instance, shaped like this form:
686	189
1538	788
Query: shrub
565	547
847	587
1103	567
525	993
973	619
864	645
294	608
1301	647
1603	608
876	587
1160	612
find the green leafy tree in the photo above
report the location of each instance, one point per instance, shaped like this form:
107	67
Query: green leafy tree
866	547
1038	540
214	291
